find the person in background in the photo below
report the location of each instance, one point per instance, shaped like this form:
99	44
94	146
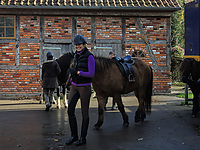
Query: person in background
111	56
50	70
81	77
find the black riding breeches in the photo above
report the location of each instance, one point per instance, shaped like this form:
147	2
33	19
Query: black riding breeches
76	92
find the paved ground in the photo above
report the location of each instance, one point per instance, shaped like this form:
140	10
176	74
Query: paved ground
24	125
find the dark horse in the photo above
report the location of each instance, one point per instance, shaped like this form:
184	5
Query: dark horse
190	71
64	63
109	81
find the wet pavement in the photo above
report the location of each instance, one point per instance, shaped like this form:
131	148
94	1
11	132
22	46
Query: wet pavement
24	125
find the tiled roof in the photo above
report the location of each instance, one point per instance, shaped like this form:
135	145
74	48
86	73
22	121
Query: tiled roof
94	3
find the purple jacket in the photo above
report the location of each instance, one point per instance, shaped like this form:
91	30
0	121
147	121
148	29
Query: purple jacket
90	73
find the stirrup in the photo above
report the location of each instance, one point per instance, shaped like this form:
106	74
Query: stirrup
131	78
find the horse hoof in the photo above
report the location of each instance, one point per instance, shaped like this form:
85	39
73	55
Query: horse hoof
194	116
125	125
142	119
58	107
65	106
136	121
95	128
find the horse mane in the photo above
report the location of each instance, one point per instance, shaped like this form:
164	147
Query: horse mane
63	59
187	64
66	55
102	64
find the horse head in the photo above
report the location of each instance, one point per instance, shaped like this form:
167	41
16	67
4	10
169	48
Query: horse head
64	62
188	69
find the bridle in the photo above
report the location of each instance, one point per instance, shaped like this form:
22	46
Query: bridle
191	79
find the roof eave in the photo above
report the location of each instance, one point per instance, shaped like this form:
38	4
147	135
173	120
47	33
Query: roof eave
93	7
88	11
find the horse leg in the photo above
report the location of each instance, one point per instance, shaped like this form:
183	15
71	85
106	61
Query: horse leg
58	100
120	105
41	97
140	114
64	96
99	123
195	108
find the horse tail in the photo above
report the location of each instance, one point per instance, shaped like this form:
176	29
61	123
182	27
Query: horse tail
149	93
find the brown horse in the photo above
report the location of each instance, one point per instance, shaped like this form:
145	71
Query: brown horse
109	81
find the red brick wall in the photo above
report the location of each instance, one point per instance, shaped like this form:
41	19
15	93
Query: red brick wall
84	27
108	28
7	53
58	27
29	27
29	54
19	82
162	82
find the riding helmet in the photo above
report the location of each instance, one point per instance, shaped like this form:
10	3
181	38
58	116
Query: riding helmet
79	39
49	55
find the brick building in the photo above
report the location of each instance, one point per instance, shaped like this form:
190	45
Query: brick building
31	28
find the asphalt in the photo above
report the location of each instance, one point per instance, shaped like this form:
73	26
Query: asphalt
24	125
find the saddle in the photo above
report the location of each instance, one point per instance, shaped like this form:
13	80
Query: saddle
125	66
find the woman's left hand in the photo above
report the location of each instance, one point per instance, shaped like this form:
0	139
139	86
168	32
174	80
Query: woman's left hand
78	72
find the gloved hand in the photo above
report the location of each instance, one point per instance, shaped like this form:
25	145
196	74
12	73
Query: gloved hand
71	71
67	85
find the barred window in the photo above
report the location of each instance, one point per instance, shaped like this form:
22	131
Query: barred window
7	27
138	53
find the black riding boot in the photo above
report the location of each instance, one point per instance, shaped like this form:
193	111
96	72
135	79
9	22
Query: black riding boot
84	129
74	133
